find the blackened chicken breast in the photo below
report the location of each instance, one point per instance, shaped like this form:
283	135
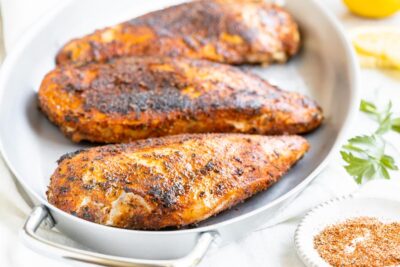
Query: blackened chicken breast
134	98
227	31
171	181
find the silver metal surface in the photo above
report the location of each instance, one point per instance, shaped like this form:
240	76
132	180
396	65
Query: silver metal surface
40	214
325	70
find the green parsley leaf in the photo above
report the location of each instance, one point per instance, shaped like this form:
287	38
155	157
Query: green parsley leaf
365	155
388	162
396	125
368	107
384	117
366	159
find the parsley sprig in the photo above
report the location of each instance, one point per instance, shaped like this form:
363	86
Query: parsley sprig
365	155
384	117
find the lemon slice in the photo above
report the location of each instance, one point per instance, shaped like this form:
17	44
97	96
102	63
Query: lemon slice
367	61
379	46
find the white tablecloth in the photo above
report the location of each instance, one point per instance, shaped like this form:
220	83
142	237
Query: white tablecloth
270	246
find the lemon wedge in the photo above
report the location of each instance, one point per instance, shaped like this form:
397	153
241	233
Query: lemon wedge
373	8
378	46
367	61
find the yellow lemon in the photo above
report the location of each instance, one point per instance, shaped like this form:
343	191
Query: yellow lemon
378	46
373	8
367	61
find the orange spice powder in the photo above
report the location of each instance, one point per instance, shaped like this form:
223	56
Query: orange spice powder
362	241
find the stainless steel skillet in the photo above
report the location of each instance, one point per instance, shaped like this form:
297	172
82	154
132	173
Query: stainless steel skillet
325	70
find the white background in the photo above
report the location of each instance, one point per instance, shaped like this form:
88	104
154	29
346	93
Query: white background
271	246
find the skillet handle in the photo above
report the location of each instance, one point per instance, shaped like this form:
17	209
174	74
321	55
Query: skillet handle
41	214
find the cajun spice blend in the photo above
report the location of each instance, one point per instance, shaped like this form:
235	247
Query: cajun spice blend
362	241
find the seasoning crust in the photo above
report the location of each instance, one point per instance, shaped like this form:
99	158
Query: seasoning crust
171	181
134	98
228	31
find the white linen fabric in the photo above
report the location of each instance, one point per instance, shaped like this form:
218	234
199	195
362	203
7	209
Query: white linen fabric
272	244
